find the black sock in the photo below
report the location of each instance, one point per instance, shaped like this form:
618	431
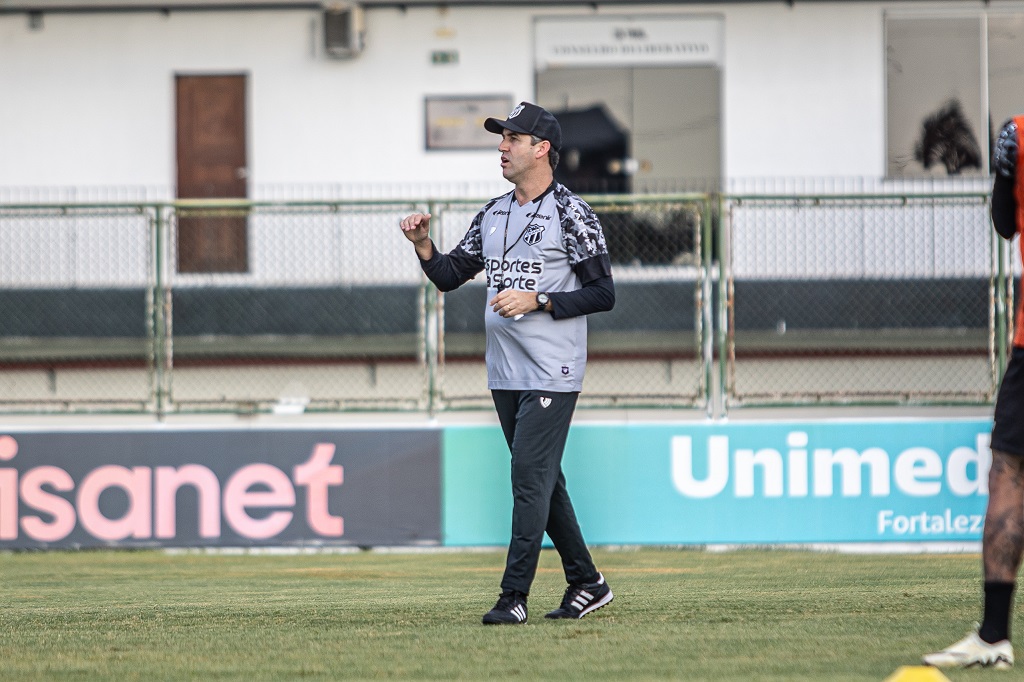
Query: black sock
995	624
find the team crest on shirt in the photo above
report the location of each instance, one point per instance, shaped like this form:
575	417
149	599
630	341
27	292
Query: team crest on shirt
565	370
533	234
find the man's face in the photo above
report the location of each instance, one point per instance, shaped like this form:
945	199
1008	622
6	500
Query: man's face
519	156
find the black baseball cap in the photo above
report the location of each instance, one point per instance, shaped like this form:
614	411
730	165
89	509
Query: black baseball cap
531	120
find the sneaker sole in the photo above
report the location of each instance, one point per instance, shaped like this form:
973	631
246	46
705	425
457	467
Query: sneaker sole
504	622
1000	664
997	664
501	621
604	601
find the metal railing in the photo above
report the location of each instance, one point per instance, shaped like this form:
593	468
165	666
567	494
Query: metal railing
289	306
861	299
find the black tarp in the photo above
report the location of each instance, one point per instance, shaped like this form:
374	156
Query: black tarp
594	149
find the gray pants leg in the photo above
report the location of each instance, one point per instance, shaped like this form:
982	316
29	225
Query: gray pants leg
536	426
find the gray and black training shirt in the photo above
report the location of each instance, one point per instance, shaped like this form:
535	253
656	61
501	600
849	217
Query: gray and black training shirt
552	244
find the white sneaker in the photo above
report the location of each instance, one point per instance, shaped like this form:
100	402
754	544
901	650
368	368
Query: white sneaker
973	651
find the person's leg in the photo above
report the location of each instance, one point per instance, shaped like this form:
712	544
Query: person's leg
1003	536
511	606
587	590
506	404
564	531
1002	543
541	426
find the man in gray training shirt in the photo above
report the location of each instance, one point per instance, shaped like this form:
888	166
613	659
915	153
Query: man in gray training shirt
543	253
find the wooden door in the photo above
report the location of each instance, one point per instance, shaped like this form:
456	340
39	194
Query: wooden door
211	155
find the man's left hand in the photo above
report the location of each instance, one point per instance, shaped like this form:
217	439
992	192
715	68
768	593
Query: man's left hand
509	303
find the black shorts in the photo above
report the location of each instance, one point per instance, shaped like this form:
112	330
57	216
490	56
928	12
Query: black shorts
1008	427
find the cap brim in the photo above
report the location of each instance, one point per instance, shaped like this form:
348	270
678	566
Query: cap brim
493	125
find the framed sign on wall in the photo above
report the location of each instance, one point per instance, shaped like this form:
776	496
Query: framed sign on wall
457	122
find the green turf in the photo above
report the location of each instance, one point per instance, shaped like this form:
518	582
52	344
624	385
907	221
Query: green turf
677	614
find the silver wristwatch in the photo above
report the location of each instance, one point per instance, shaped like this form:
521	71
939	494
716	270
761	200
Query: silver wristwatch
542	301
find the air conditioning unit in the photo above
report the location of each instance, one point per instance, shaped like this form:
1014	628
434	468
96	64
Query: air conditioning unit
343	30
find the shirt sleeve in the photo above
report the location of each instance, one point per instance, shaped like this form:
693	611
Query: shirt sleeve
1004	199
596	296
1004	207
452	270
584	242
1004	156
582	234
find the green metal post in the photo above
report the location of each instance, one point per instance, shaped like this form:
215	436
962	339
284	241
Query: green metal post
432	331
158	324
722	328
707	321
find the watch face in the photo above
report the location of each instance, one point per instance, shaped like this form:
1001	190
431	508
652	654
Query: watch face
542	300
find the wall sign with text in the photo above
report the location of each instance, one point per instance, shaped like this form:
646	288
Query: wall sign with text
627	41
458	122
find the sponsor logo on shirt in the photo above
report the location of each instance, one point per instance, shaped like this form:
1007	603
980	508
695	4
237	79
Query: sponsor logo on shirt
521	274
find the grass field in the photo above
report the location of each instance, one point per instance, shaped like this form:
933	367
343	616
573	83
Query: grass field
677	614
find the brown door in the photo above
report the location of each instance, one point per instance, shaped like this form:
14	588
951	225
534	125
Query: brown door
211	165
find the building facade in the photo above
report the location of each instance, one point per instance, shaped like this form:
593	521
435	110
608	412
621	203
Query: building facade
301	100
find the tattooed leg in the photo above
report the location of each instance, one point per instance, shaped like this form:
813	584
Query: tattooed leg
1003	538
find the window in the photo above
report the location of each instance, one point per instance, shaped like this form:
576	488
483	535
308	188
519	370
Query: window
1005	68
951	81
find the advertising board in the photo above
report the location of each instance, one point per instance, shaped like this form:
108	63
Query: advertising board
195	488
756	482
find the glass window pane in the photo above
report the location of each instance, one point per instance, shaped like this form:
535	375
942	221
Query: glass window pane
1005	68
935	126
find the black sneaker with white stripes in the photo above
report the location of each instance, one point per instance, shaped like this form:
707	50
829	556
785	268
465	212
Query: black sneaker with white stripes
510	609
581	599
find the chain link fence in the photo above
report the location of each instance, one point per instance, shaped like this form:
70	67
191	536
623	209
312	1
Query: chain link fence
77	287
654	348
285	307
860	299
305	307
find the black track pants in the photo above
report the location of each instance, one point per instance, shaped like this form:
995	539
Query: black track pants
536	425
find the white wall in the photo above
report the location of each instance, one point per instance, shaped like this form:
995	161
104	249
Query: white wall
88	99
